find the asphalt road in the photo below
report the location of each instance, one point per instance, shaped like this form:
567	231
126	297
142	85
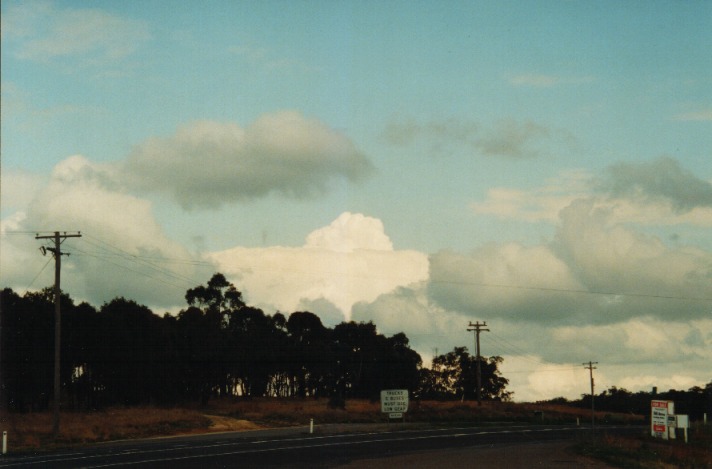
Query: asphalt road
294	448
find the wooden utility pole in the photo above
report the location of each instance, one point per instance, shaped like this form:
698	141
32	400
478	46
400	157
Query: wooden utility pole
58	239
589	366
477	328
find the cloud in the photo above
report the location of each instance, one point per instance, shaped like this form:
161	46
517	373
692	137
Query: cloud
508	138
546	305
207	164
340	263
544	359
350	232
657	193
439	135
598	269
263	57
659	180
123	250
40	32
534	380
409	309
514	139
537	204
599	290
327	311
546	81
610	257
509	281
18	188
701	116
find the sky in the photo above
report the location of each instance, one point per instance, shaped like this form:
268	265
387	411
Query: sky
544	167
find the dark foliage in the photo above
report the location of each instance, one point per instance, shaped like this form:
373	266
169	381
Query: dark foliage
124	354
694	402
454	375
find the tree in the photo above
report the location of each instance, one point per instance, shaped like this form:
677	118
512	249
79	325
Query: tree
251	352
310	357
401	364
454	376
130	353
216	303
200	354
27	350
218	297
368	362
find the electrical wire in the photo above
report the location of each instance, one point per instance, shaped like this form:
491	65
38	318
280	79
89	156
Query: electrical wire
152	263
38	273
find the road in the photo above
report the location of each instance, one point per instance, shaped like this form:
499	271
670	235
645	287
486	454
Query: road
294	448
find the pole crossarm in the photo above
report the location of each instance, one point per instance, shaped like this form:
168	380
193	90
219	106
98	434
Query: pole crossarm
63	235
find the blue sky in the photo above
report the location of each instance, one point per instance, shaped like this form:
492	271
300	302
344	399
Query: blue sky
544	166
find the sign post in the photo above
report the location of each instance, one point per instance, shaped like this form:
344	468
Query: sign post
683	421
394	402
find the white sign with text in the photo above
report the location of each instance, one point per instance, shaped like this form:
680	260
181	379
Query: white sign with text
394	401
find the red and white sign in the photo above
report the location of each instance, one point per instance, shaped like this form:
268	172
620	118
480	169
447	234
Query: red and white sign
659	412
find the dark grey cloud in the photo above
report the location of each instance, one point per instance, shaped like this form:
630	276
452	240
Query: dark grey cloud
207	164
595	271
662	179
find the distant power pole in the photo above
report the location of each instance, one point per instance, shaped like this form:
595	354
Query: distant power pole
589	366
477	328
58	239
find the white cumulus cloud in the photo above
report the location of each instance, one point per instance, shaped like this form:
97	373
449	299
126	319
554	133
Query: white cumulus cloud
123	249
349	261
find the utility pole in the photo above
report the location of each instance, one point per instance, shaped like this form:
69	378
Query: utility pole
58	239
477	328
589	366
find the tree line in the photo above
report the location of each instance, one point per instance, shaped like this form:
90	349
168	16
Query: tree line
124	354
694	402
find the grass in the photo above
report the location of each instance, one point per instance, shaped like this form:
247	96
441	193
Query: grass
646	452
33	431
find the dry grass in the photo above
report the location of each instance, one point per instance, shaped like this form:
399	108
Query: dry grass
648	452
34	430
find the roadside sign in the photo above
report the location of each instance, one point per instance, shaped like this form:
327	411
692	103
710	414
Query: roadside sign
662	416
395	415
394	401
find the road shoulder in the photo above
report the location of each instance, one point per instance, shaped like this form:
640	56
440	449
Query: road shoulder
546	454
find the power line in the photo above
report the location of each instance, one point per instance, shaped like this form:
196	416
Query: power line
568	369
143	261
39	273
151	260
140	272
502	340
566	290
